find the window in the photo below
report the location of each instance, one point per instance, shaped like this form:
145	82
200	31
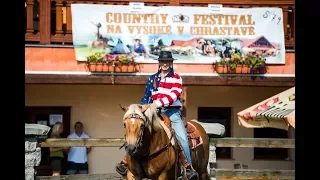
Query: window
221	115
270	153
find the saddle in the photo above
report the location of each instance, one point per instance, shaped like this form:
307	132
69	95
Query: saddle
193	134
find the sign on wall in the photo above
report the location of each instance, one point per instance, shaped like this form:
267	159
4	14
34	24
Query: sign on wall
193	34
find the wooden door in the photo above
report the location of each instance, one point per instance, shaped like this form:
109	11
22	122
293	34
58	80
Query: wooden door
41	115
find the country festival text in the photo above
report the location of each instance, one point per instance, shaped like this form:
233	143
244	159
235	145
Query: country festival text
203	24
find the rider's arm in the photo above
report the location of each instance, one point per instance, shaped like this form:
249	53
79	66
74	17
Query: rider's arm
147	93
173	95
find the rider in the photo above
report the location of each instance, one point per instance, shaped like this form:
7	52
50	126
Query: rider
163	90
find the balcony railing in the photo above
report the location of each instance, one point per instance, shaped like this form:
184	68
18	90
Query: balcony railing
49	21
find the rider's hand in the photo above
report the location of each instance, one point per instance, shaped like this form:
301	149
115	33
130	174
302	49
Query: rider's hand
153	106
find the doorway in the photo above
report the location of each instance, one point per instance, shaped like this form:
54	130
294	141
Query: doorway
49	116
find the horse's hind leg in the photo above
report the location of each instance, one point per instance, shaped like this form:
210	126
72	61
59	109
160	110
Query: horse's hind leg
205	176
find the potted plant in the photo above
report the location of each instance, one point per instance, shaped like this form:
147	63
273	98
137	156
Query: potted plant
122	63
245	66
95	62
235	63
257	64
221	66
98	62
230	65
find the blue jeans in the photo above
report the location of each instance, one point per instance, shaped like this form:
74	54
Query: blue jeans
180	131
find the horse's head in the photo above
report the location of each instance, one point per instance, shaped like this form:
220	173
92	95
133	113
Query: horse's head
135	122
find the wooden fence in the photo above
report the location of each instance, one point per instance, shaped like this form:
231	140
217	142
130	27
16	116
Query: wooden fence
216	173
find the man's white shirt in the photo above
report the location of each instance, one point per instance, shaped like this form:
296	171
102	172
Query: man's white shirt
78	154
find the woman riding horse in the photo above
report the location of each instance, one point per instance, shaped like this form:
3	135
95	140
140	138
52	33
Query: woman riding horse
163	90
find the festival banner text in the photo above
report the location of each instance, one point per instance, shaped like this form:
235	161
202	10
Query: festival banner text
193	34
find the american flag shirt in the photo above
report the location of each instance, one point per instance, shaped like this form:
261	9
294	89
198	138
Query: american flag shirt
164	92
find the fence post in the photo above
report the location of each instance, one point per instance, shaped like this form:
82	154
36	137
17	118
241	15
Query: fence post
33	133
212	161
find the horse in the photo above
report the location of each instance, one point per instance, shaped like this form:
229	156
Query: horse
151	145
103	43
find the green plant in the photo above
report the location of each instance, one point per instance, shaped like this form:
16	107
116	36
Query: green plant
95	57
110	59
122	59
221	62
236	59
256	61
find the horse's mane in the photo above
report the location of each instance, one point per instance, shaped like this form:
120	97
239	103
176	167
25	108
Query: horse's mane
150	116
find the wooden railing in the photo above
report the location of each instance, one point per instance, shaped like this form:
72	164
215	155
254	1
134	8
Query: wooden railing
217	173
49	21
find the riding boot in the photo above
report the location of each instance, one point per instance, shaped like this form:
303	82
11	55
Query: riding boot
191	174
121	167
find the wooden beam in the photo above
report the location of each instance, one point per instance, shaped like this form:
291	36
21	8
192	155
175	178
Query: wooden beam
45	21
219	142
219	174
142	80
253	142
101	142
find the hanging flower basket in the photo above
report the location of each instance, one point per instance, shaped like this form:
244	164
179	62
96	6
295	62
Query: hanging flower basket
241	65
109	63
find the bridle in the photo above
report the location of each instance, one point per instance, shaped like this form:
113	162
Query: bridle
139	142
140	139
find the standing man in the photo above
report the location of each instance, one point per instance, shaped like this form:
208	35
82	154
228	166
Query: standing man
77	156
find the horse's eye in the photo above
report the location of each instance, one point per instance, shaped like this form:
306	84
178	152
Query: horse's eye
124	125
142	126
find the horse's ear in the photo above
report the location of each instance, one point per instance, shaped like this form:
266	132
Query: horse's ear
143	108
124	108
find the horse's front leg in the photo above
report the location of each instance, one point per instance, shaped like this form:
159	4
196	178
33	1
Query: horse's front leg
163	176
130	176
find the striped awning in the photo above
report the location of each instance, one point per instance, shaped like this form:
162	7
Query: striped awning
276	112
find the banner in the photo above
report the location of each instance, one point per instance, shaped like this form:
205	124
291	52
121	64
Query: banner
193	34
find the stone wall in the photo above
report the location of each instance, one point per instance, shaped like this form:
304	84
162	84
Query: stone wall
32	157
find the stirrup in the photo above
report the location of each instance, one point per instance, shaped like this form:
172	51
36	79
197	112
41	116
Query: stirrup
121	169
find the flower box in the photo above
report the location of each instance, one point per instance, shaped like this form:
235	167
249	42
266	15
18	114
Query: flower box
118	67
241	65
240	69
108	63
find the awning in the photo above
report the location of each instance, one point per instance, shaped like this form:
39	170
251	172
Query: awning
275	112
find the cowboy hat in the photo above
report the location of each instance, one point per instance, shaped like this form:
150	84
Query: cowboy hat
165	56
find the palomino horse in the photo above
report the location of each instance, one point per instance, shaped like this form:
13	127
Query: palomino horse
103	43
151	148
